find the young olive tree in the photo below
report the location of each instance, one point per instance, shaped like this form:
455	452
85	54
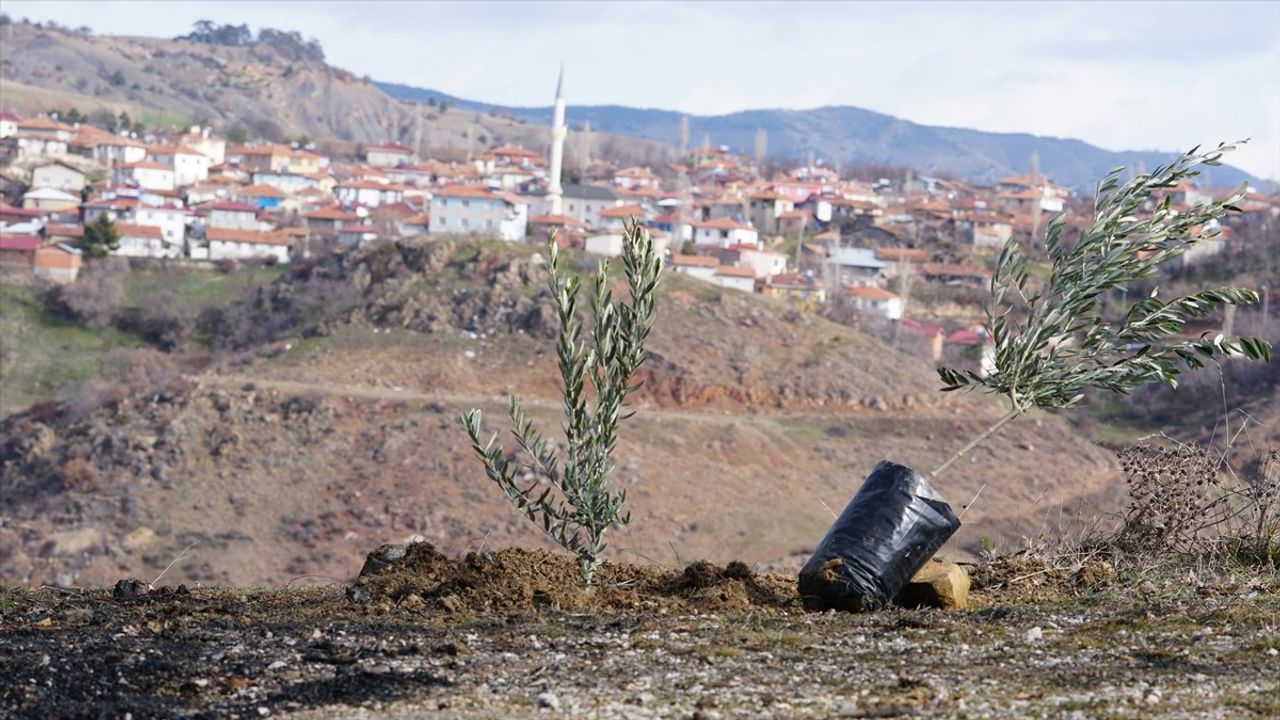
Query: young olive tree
1065	344
570	496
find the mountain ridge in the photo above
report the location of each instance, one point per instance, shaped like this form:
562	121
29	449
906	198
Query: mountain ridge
842	134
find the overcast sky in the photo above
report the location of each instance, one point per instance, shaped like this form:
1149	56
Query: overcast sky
1124	76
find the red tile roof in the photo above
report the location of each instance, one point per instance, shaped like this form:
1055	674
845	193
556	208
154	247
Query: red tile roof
142	231
18	243
564	220
694	261
246	236
232	206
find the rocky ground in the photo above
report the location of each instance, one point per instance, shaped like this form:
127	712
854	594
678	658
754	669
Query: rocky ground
499	637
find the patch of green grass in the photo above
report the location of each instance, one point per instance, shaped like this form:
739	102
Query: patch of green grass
41	355
191	290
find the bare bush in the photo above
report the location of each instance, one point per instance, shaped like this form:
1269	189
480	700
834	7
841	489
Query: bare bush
157	324
94	298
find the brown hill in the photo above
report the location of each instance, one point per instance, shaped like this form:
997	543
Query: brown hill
268	89
333	430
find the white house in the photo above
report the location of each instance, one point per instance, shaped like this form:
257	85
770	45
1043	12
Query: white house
49	199
232	215
146	174
698	266
874	300
615	218
144	241
723	232
226	244
470	209
369	193
610	244
586	202
189	166
59	176
118	150
8	125
735	278
203	141
172	222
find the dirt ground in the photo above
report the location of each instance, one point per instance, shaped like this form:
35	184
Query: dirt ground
510	635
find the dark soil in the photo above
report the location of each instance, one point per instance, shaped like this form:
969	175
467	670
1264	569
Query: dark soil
521	581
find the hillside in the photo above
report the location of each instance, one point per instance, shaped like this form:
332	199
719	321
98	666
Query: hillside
844	135
330	426
270	90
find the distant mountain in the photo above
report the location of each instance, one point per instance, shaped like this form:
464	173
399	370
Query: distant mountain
843	134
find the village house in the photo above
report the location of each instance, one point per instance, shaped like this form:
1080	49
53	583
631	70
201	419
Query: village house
232	215
10	215
115	208
735	278
722	208
610	244
116	150
46	129
146	174
615	218
873	300
189	166
50	200
513	155
540	225
8	124
238	244
635	178
955	274
369	193
697	266
18	251
261	195
59	176
414	225
466	209
763	263
69	233
145	241
724	233
856	266
765	208
799	289
58	263
328	221
172	222
278	159
584	202
389	155
203	141
984	230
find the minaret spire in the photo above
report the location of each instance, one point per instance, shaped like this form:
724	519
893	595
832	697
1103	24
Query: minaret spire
558	133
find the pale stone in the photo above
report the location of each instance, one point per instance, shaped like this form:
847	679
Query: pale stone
938	584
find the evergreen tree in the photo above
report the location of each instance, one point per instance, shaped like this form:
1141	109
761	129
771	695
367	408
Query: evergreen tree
101	237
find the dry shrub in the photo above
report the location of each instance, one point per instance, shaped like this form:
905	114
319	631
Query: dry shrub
78	474
94	298
1186	502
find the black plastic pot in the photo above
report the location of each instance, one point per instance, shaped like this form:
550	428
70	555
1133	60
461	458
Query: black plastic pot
888	531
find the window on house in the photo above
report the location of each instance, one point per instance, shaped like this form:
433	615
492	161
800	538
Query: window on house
570	207
464	222
466	203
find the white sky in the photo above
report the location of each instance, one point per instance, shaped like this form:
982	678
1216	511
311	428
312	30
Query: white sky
1124	76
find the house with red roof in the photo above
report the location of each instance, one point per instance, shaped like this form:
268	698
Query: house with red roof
723	232
874	300
18	250
59	263
698	266
171	219
328	221
369	193
235	244
144	241
189	166
735	278
232	215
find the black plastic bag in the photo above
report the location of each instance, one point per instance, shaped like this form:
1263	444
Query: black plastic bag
889	530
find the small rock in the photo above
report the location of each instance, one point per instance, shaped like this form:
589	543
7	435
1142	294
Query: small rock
357	594
1035	634
547	701
938	584
382	558
129	589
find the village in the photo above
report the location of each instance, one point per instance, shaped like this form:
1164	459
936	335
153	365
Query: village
905	256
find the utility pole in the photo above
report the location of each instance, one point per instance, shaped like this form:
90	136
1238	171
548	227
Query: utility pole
585	155
684	136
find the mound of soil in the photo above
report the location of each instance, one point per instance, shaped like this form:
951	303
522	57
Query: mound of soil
519	581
